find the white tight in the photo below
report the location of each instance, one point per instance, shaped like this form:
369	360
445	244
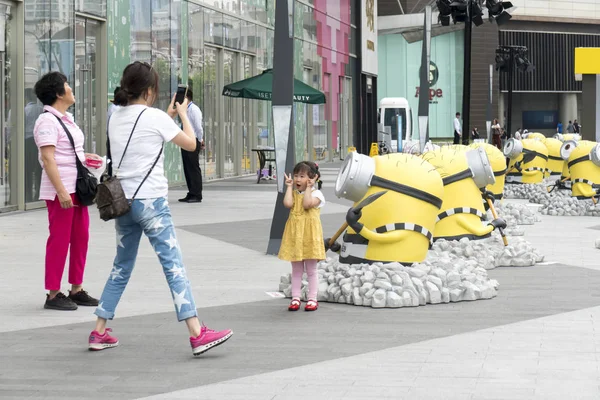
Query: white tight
298	268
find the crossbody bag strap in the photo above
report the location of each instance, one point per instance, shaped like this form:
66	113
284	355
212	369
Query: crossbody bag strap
128	140
108	153
150	171
77	160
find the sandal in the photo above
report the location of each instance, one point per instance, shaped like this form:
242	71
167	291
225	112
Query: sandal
294	305
311	305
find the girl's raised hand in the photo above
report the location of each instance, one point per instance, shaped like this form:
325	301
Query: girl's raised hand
311	182
288	179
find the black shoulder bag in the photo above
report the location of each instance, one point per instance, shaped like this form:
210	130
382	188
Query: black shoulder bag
86	184
111	199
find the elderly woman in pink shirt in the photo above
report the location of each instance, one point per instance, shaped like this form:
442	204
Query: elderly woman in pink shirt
69	221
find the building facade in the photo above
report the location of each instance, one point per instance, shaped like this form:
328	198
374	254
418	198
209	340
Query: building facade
205	44
551	30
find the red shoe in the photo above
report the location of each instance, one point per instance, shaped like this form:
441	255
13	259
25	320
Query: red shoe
294	305
311	305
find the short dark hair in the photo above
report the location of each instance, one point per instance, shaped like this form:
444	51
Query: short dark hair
137	78
115	93
190	95
457	113
49	87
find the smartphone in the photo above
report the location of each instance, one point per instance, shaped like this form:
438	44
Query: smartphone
180	95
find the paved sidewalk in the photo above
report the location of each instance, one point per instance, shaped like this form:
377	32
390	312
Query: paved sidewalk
536	340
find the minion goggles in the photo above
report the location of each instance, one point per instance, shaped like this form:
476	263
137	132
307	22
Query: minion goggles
358	174
514	147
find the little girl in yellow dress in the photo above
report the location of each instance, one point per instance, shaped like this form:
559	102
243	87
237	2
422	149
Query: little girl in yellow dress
302	241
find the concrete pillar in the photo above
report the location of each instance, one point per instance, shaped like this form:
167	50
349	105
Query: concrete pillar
567	103
590	115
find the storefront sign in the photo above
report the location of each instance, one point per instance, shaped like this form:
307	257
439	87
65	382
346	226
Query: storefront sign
434	76
369	37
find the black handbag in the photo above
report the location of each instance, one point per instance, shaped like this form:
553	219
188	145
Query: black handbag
111	200
86	185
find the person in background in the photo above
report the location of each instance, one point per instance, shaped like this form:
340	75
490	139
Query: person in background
576	127
69	221
475	134
191	159
517	134
496	134
570	128
457	129
113	107
33	174
559	127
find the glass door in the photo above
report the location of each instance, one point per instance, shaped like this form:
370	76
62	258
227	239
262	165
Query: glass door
229	115
247	109
8	139
209	113
86	41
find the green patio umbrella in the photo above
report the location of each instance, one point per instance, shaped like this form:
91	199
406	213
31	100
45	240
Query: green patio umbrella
260	87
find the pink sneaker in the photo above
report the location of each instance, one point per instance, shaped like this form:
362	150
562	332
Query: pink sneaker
208	339
101	342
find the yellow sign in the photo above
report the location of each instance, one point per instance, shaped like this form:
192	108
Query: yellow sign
374	150
587	60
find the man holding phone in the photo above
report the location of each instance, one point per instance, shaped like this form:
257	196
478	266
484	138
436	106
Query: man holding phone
191	159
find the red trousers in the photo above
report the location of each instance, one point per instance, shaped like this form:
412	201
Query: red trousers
69	230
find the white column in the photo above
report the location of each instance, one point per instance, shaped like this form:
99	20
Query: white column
567	108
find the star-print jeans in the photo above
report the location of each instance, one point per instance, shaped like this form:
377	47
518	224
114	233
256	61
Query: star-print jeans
152	217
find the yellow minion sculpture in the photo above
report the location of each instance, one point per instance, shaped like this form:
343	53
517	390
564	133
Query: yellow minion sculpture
584	167
498	163
536	135
528	159
556	164
463	173
398	227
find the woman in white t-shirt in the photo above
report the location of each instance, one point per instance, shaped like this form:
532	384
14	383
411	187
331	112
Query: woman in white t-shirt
136	136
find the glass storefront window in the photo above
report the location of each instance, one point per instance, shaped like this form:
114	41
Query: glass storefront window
248	9
231	32
233	6
211	120
213	27
309	24
261	48
8	86
140	31
229	115
248	37
270	47
93	7
247	111
261	10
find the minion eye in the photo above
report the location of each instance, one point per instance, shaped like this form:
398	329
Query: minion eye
513	148
480	166
567	148
355	176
